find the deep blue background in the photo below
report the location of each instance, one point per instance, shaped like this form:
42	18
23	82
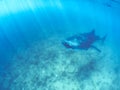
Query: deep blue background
23	24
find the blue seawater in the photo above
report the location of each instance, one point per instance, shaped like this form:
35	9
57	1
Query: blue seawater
33	58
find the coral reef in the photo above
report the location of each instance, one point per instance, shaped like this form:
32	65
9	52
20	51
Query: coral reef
47	65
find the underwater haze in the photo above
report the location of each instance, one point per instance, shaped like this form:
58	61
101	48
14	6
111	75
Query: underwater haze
32	56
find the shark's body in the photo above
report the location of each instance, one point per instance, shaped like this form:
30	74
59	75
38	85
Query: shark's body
83	41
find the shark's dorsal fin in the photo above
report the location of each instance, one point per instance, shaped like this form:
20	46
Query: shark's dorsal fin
92	32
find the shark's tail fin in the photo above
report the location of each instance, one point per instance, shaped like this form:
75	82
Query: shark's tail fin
96	48
104	38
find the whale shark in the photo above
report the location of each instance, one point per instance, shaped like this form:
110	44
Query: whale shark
83	41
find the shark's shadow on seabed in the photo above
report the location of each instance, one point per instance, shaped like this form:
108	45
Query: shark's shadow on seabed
83	41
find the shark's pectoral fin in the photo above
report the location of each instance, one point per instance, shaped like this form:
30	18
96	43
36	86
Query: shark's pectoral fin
96	48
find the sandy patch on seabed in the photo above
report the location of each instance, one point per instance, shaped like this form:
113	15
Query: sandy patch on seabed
48	65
